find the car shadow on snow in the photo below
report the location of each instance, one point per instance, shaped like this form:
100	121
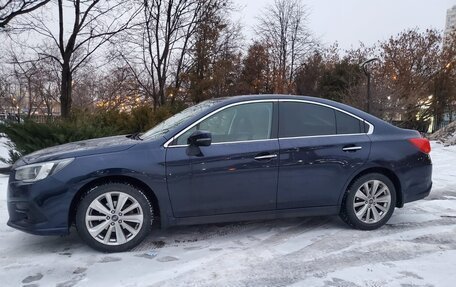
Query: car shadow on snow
228	235
35	245
219	233
186	236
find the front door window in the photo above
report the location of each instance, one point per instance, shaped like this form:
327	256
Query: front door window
244	122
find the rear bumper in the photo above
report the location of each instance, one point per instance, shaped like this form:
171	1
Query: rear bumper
416	183
417	196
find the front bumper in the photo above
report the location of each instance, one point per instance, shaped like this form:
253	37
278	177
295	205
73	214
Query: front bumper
36	230
41	208
28	217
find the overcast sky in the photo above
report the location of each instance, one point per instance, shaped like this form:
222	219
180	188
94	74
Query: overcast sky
351	21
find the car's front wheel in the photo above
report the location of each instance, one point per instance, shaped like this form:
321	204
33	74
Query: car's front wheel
114	217
369	202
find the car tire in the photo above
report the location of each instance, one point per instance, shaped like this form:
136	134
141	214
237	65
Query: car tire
114	217
369	202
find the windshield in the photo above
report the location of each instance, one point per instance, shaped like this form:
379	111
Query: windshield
172	122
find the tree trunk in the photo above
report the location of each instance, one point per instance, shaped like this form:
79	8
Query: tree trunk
29	87
65	91
161	91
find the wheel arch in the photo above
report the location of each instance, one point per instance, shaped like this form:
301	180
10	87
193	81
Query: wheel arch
386	172
113	179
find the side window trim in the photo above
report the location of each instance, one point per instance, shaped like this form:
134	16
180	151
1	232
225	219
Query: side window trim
169	142
371	126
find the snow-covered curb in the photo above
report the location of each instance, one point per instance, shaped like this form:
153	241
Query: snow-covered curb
446	135
3	150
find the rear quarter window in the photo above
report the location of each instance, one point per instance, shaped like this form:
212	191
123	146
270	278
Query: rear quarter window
347	124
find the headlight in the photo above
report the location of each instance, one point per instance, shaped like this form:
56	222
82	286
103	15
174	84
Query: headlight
39	171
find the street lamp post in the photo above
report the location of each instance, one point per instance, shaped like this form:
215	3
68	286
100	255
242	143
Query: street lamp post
368	75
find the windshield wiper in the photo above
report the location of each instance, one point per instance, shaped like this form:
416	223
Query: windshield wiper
154	135
135	136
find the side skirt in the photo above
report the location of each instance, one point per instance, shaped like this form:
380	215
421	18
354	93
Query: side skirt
258	215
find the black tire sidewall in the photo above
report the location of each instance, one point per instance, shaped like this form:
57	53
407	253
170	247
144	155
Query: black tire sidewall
95	192
348	211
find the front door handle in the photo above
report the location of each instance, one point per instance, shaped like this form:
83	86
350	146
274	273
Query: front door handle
351	148
265	157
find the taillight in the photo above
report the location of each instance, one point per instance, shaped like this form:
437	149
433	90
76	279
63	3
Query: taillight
422	144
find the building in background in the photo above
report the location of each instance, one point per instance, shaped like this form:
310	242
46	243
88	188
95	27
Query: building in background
450	24
450	27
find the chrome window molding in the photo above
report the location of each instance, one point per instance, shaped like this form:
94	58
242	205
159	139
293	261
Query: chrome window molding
234	142
369	132
321	136
371	126
167	143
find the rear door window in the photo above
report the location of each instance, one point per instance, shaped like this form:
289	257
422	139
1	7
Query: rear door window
297	119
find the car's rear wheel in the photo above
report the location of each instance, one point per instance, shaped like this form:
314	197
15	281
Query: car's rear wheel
369	202
114	217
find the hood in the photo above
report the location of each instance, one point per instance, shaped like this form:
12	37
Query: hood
80	148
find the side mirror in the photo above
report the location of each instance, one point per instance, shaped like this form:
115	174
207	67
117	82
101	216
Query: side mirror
200	138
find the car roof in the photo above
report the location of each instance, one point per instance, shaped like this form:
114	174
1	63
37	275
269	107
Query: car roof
378	123
380	126
242	98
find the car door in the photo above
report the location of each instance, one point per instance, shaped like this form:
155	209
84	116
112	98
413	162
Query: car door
236	173
320	149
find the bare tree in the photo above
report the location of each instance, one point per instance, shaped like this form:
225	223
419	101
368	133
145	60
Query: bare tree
162	44
13	8
5	94
25	72
14	93
83	28
118	90
410	62
283	26
35	83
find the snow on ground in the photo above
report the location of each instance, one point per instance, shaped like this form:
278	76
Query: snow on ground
3	151
416	248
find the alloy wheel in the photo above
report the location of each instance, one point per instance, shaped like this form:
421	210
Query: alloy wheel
114	218
372	201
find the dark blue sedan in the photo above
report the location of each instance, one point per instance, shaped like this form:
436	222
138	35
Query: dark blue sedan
240	158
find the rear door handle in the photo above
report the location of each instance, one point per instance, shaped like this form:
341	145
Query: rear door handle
265	157
351	148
